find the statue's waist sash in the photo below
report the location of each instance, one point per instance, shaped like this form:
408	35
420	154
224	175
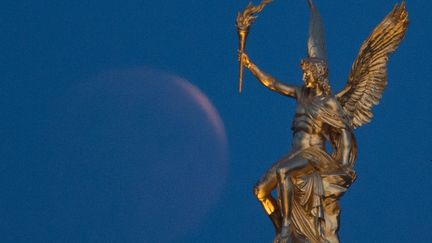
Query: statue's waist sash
334	177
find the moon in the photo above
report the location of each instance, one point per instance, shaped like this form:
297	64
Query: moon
202	100
130	155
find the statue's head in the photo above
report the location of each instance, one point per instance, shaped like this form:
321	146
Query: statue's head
315	71
315	74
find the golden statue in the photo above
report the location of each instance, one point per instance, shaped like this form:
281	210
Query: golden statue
310	180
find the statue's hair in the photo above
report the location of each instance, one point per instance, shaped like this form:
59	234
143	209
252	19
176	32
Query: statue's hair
319	70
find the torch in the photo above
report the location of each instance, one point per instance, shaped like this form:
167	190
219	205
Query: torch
243	22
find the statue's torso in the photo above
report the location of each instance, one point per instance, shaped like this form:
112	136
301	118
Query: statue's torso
308	130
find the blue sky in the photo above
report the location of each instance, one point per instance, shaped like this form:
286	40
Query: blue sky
101	144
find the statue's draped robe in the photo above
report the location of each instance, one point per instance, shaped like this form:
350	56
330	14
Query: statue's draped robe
315	207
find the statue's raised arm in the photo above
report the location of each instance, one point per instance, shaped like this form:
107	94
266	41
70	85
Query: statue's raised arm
267	80
244	21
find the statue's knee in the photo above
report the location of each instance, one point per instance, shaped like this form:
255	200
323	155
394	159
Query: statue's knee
259	192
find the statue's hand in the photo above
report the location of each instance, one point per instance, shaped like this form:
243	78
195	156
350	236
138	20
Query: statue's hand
243	57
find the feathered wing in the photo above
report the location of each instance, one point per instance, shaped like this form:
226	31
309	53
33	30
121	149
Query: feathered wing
368	76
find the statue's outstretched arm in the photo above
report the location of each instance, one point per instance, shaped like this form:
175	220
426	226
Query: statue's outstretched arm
267	80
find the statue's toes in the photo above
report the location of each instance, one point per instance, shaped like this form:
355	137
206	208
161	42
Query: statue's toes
285	240
277	239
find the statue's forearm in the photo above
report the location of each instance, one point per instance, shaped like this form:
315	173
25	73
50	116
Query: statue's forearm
346	146
265	79
270	82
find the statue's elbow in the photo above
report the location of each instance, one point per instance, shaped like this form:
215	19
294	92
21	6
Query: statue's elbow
269	83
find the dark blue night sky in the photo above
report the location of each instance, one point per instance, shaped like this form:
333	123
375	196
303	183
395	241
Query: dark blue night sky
121	121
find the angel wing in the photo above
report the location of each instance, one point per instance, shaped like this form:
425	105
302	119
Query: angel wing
368	76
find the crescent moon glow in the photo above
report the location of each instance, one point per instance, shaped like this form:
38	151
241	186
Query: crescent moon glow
207	106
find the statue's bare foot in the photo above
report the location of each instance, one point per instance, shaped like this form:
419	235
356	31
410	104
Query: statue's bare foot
277	238
285	235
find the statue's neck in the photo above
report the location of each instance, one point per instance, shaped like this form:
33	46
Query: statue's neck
315	91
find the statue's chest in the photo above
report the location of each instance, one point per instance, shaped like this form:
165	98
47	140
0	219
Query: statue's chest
301	110
309	107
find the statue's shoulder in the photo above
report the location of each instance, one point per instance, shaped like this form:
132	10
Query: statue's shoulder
333	113
332	103
301	92
333	106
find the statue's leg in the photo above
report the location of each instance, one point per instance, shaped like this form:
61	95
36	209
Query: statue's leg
286	172
284	196
262	191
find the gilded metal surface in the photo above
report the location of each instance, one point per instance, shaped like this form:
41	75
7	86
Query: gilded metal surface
310	180
243	22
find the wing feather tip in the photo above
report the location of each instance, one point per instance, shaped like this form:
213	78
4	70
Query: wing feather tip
368	77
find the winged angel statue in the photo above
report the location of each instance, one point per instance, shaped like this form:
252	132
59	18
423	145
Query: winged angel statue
310	180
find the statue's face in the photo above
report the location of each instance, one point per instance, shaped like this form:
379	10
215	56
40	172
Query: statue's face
309	79
308	76
313	70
